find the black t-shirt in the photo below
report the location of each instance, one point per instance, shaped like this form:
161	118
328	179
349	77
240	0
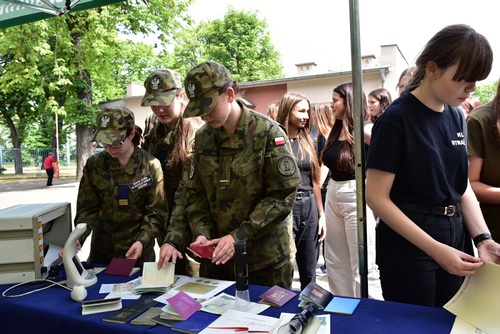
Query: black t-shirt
425	149
305	167
330	157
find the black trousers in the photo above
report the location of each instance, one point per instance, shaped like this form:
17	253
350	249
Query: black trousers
305	233
409	275
50	174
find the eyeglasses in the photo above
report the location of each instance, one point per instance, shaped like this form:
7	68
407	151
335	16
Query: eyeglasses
116	146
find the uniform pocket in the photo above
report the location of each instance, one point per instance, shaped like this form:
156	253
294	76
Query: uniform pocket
244	166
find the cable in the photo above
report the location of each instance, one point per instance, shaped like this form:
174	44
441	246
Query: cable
4	294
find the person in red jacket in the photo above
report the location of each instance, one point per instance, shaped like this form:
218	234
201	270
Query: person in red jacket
49	167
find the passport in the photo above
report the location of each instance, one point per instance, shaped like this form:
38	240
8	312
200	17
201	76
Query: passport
121	267
277	296
202	251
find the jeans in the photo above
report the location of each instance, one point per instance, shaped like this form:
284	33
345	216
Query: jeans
305	234
408	274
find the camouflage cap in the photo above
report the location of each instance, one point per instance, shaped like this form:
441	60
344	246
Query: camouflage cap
112	124
161	88
202	85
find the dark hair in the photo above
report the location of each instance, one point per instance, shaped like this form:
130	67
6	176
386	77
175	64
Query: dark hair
383	96
137	134
345	161
454	44
230	84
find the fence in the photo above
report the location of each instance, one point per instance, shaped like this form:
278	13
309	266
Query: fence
20	163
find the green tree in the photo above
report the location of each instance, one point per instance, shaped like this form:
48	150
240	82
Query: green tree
486	93
51	67
240	41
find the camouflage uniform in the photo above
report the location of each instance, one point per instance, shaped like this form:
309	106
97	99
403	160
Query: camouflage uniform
161	88
120	204
241	183
244	184
160	142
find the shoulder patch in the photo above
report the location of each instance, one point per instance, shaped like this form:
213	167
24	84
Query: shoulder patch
286	166
278	141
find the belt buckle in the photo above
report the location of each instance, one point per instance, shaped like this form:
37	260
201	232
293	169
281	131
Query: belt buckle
450	210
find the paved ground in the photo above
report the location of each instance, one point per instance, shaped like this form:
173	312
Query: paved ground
35	191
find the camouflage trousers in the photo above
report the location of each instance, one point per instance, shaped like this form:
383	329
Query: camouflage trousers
280	273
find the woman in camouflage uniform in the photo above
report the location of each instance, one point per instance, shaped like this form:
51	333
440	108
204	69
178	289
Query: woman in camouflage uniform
121	195
171	138
241	184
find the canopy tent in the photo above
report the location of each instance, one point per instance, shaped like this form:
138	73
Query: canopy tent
16	12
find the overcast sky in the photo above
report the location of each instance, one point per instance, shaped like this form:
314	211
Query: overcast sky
319	30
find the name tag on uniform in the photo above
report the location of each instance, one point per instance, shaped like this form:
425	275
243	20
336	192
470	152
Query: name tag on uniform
141	183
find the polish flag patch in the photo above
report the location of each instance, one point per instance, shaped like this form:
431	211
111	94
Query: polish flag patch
279	141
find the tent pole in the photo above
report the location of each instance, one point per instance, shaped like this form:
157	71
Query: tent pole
357	83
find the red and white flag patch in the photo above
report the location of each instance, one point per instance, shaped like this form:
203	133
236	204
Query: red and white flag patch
278	141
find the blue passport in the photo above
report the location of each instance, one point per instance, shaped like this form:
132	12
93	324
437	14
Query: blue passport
196	323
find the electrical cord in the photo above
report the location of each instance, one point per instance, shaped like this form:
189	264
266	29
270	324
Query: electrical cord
61	284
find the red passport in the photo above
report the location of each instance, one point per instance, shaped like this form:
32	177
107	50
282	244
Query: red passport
203	251
120	267
277	296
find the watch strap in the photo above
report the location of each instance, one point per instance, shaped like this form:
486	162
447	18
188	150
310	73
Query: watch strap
481	237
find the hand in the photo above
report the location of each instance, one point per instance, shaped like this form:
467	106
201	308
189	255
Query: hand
456	262
489	251
224	250
135	251
201	240
168	252
321	228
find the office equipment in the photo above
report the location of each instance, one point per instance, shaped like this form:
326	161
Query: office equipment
31	236
76	274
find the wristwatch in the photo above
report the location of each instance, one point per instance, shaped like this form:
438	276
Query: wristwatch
481	237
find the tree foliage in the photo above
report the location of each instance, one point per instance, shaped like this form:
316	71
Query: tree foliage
63	67
486	93
240	41
66	65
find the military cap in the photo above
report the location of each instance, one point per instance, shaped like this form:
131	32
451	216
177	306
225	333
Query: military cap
161	88
202	85
113	124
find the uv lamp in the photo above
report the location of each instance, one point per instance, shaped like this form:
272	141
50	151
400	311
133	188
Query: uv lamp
75	272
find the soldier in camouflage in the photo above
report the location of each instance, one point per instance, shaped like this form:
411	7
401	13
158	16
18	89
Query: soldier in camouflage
171	138
241	185
121	195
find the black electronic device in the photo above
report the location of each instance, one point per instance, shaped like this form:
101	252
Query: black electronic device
242	301
240	266
301	319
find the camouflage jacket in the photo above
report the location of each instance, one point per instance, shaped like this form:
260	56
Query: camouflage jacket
244	184
121	205
160	142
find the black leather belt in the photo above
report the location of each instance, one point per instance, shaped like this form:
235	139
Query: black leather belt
449	210
302	194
